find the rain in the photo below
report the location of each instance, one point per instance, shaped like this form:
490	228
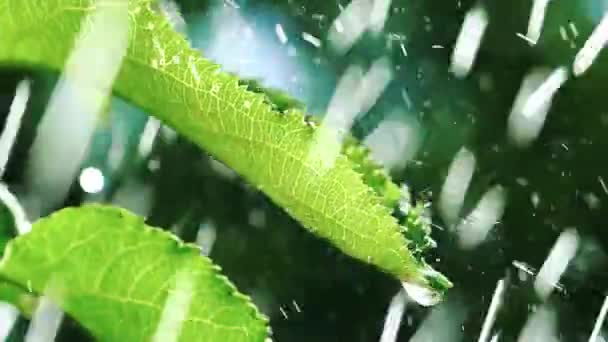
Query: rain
487	114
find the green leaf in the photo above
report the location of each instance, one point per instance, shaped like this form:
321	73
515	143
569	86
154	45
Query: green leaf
275	151
374	175
125	281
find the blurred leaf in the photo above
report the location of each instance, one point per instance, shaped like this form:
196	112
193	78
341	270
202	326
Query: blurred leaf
124	281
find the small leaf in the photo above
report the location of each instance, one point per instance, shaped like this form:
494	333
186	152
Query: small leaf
125	281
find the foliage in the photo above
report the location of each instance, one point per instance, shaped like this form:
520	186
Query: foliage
100	263
261	134
270	149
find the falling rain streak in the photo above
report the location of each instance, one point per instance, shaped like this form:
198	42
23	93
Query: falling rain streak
532	104
474	229
456	185
176	309
592	47
355	94
379	15
537	18
540	326
393	317
597	326
350	25
554	266
468	41
8	317
83	87
45	321
495	304
13	122
75	106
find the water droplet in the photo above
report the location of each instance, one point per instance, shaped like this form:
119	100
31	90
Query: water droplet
422	295
91	180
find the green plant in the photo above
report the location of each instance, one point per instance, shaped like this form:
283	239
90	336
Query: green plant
261	134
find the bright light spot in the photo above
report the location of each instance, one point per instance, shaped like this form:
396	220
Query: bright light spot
91	180
562	252
393	317
592	47
469	41
456	184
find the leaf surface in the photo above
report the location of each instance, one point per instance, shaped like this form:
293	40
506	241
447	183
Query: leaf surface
273	150
126	281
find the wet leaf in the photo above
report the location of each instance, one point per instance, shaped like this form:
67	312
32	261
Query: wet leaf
126	281
269	148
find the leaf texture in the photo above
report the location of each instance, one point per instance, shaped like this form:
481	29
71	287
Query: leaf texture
269	148
126	281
